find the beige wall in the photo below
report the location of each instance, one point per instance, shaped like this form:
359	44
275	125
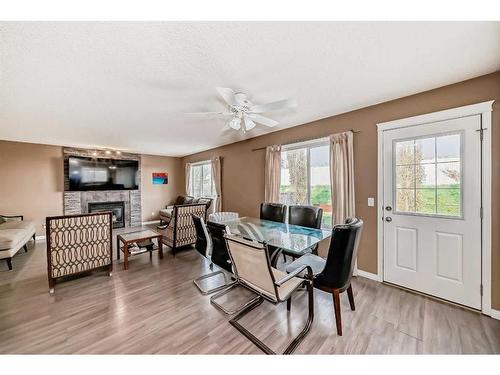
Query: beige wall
155	197
32	182
243	170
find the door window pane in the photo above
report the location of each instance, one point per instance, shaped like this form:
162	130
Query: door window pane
405	152
448	202
425	150
405	176
405	200
427	175
448	147
425	201
448	175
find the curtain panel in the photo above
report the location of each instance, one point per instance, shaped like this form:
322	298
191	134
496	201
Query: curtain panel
216	177
342	176
272	177
188	178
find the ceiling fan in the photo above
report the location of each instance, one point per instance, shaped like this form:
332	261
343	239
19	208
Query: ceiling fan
246	114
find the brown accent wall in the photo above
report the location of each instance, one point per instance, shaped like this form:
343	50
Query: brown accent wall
32	182
243	170
155	197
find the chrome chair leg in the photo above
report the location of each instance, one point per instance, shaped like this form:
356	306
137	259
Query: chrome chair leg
225	291
207	276
234	322
295	342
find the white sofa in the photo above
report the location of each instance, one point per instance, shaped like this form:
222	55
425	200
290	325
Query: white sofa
15	233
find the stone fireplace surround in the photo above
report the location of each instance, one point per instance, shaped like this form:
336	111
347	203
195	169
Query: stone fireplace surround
77	202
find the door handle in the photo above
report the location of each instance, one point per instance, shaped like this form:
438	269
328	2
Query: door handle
388	208
388	219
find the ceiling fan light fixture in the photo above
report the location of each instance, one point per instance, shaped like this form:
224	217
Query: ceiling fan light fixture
249	124
235	123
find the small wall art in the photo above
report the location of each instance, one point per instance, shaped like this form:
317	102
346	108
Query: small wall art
160	178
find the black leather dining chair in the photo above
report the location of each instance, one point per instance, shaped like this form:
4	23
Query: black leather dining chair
334	274
273	212
202	238
305	216
220	253
204	246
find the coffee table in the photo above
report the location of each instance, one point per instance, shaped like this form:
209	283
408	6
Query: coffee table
138	236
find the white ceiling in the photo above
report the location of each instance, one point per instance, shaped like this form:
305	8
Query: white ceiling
126	85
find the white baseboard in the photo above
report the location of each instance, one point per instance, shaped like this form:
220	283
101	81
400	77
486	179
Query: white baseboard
150	222
40	238
495	314
367	275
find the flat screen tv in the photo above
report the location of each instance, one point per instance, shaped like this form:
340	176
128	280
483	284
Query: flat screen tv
102	174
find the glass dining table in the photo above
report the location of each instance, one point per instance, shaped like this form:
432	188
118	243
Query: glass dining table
295	239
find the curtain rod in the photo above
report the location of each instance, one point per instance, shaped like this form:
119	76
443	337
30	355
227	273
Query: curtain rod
302	140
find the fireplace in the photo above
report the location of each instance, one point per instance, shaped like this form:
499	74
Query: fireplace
117	208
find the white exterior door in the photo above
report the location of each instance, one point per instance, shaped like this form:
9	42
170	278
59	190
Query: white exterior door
432	202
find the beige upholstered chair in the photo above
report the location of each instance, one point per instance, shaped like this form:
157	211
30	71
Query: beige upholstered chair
252	269
15	232
167	213
180	231
78	243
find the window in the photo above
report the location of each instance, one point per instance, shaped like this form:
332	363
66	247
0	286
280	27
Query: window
202	184
428	175
305	176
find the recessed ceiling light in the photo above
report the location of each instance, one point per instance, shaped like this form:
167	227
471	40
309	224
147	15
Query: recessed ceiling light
94	153
118	152
108	152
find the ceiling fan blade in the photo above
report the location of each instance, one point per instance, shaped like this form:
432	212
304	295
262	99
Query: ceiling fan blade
208	113
263	120
249	124
228	95
242	99
274	106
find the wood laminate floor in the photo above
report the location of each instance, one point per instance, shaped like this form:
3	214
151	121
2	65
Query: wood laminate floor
155	308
